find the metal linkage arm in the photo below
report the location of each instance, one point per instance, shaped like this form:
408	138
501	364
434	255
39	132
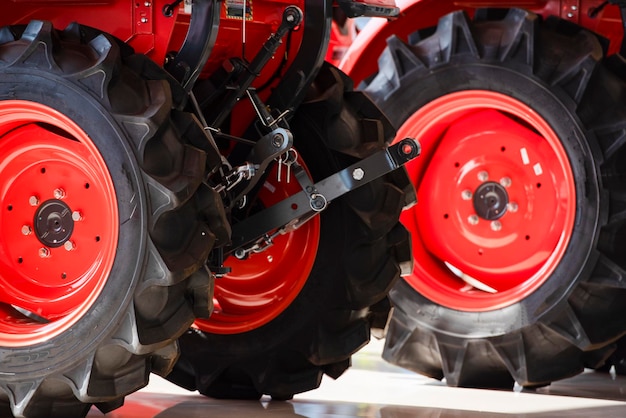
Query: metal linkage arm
316	197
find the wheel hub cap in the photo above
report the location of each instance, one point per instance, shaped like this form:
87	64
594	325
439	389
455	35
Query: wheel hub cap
53	223
490	201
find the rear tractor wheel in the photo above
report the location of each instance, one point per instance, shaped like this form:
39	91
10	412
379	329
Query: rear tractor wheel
519	227
288	315
101	237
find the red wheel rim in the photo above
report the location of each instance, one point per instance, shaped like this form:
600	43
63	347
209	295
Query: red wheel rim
496	197
261	287
59	223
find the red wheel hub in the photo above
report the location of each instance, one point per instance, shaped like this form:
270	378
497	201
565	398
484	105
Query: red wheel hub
262	286
58	219
496	200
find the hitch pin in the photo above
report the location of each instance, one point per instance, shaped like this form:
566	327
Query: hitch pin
288	159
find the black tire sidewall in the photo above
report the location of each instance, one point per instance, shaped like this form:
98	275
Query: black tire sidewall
557	109
109	311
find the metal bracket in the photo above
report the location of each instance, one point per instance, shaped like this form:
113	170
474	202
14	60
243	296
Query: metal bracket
376	9
263	153
193	55
570	10
316	197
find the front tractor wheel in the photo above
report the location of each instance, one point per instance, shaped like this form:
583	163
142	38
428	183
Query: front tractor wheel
91	181
517	232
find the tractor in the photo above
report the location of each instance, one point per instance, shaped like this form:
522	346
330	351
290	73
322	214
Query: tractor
257	216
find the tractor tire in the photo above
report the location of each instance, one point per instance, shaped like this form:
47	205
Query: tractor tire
299	310
102	236
518	232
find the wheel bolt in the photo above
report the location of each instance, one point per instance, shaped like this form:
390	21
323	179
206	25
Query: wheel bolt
358	174
59	193
505	182
33	200
44	252
77	216
466	194
473	219
69	246
26	230
483	176
496	226
513	207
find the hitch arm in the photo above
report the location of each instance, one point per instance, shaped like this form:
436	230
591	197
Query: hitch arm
316	197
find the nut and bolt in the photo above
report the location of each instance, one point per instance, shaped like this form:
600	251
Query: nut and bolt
512	207
358	174
318	202
44	252
466	195
26	230
483	176
473	219
77	216
69	246
505	182
496	226
59	193
33	200
144	20
277	141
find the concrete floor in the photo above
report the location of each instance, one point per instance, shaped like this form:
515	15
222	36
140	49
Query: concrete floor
372	388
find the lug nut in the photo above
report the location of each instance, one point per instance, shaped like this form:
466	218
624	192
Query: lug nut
33	200
505	182
44	252
69	246
77	216
358	174
466	194
473	219
26	230
483	176
512	207
496	226
59	193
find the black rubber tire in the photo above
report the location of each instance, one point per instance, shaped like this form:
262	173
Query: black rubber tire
361	253
156	284
557	69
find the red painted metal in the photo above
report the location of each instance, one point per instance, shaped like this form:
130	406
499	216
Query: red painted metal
143	25
43	156
360	61
264	285
470	138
